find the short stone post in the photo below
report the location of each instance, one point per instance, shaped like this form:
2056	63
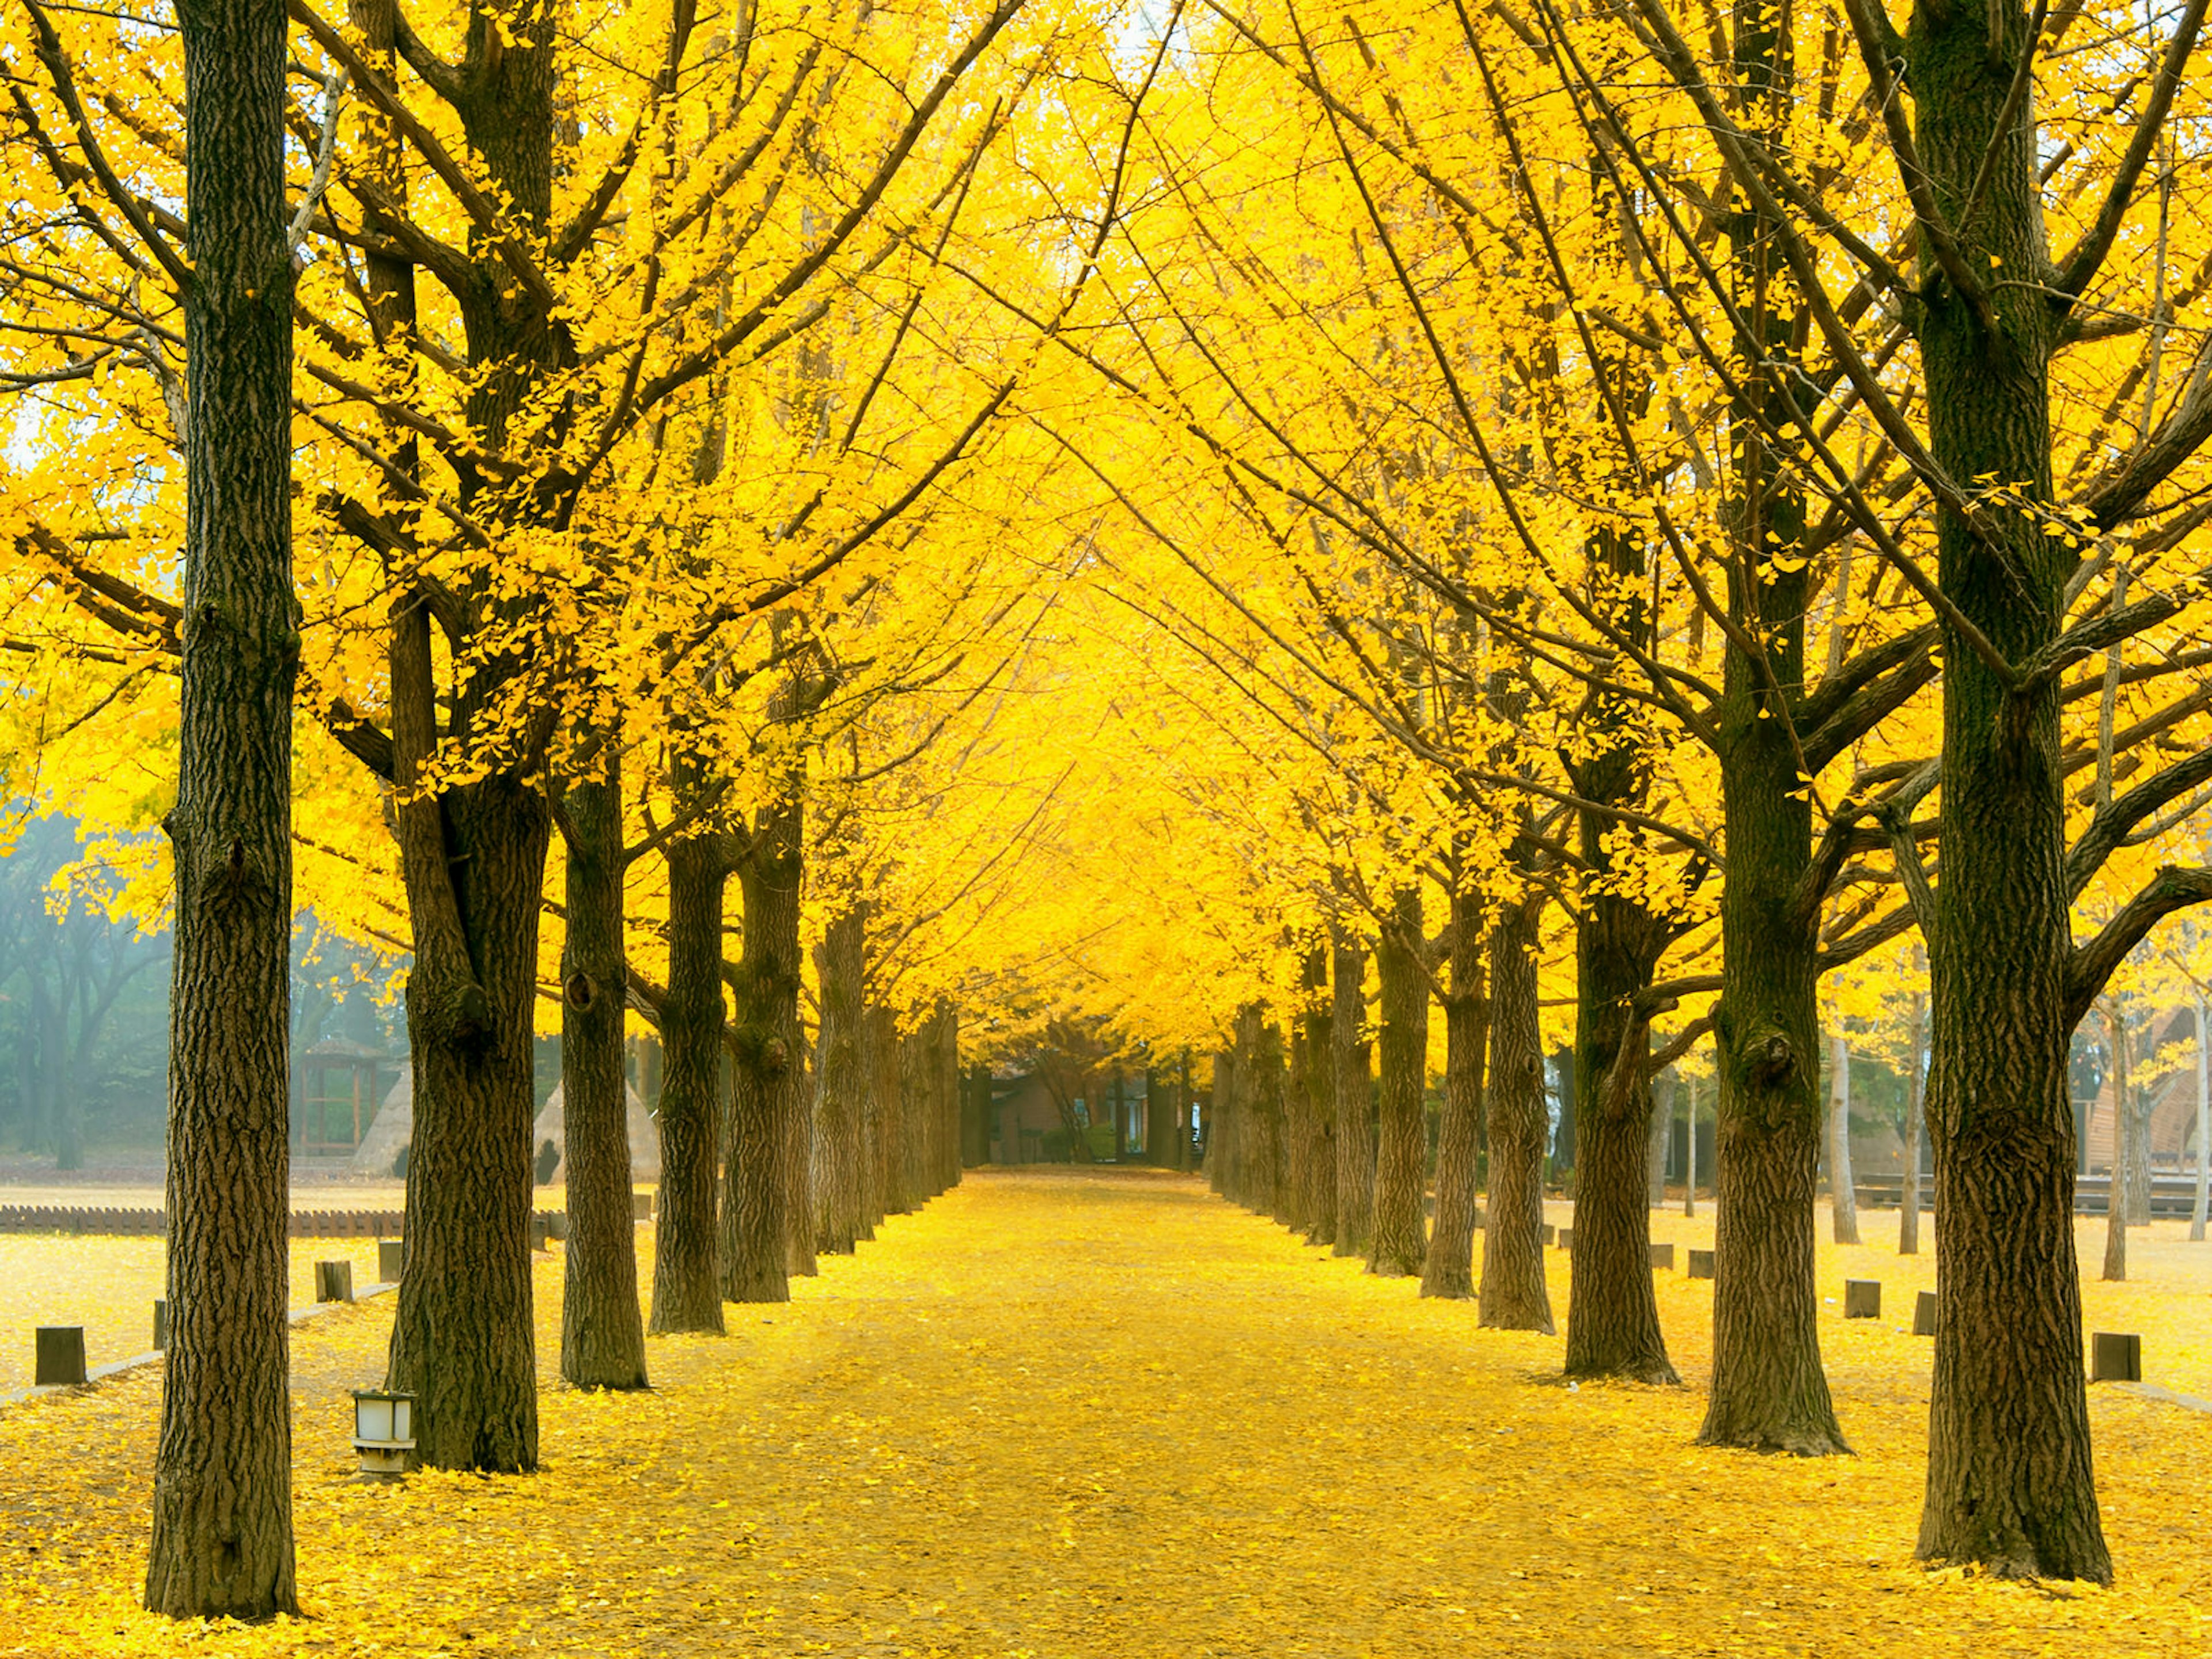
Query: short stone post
1923	1314
1701	1264
2114	1356
1862	1298
334	1281
61	1355
1662	1255
390	1254
161	1326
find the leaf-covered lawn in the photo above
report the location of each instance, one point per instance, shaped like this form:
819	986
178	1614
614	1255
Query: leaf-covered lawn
1099	1415
109	1285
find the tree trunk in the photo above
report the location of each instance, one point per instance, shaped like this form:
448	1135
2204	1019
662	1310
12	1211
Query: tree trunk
1450	1268
765	1048
2119	1201
686	1286
1689	1145
975	1118
1319	1199
841	965
223	1464
891	1125
1768	1390
2137	1102
1908	1226
948	1109
1514	1295
915	1096
1289	1206
869	1144
1182	1124
1160	1145
1664	1088
1401	1156
1351	1057
602	1337
462	1340
1613	1312
1232	1108
2009	1480
2204	1197
1842	1193
1217	1106
1259	1122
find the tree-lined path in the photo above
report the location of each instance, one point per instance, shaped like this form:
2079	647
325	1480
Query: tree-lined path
1085	1412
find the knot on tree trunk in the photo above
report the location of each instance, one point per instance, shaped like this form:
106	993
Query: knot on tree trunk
580	990
1771	1061
452	1010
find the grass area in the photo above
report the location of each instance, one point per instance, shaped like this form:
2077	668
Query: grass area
1066	1413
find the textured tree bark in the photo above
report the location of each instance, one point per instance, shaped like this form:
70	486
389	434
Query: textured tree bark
976	1116
765	1050
2133	1107
1259	1065
1514	1295
461	1340
1289	1208
1450	1268
2201	1202
686	1263
1908	1224
891	1125
2118	1205
1320	1199
1402	1154
841	965
915	1094
1843	1195
1664	1087
1689	1145
948	1097
869	1143
473	855
1159	1107
1768	1391
2010	1483
1183	1125
1351	1074
1613	1312
602	1336
1234	1115
222	1467
1220	1110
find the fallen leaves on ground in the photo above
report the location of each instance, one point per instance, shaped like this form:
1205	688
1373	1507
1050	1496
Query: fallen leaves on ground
1075	1413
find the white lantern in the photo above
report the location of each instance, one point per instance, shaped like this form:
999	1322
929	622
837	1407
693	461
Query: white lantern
383	1431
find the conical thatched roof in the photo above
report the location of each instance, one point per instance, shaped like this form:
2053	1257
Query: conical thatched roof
391	1130
551	1127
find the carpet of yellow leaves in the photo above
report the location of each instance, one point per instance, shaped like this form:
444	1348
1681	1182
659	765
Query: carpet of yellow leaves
1062	1414
109	1286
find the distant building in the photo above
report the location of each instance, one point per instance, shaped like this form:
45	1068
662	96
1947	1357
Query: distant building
2173	1102
1027	1127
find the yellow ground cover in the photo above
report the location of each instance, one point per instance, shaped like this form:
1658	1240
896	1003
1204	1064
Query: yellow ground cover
1102	1414
109	1286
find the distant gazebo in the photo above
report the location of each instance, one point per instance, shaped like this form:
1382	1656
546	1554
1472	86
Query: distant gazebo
338	1096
